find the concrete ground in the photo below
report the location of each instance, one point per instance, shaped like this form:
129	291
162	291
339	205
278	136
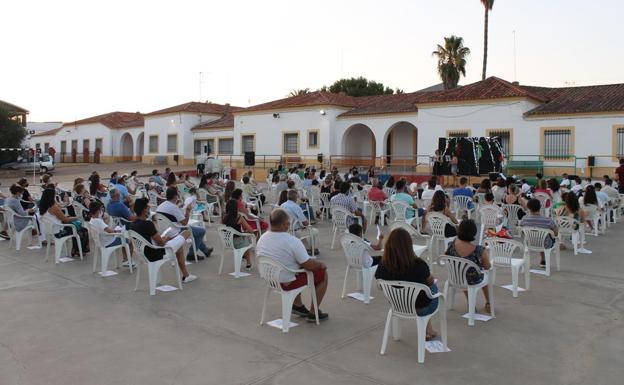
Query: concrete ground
62	324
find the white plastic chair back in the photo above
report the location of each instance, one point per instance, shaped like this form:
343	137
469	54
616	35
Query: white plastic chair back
79	209
402	296
490	216
325	200
153	197
544	199
457	268
535	238
399	208
413	232
162	222
270	270
353	247
568	225
390	191
511	212
502	250
437	222
340	217
461	204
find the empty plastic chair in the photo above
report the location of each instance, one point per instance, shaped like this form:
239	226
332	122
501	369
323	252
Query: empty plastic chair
353	247
501	254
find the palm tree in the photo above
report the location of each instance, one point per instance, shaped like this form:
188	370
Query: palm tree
451	61
298	92
487	4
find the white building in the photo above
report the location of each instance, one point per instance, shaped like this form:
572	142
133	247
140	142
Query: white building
559	127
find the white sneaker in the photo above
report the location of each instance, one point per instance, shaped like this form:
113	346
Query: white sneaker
189	278
584	251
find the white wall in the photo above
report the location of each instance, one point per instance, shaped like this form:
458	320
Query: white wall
177	123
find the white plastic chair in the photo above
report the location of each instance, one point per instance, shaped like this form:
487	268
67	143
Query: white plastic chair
15	235
402	297
80	210
544	200
298	230
534	240
457	269
153	268
501	254
325	205
570	228
106	252
270	271
390	191
511	217
163	223
59	243
417	236
400	208
341	219
227	234
597	217
490	217
378	208
354	247
210	206
437	222
462	204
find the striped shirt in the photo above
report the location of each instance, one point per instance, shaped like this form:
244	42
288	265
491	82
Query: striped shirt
344	201
531	220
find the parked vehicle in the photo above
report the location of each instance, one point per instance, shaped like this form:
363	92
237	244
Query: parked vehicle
43	163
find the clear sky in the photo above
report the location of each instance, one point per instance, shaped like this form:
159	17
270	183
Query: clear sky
64	59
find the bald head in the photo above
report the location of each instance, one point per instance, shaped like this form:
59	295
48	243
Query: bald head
293	195
279	220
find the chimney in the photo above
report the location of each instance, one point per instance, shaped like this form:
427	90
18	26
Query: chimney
515	83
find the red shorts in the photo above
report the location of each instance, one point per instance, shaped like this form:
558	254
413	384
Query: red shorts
301	279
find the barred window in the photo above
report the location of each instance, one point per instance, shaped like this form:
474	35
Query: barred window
226	146
557	144
63	146
172	143
313	139
247	143
619	137
98	144
504	138
210	146
197	147
46	146
74	145
85	145
153	144
291	143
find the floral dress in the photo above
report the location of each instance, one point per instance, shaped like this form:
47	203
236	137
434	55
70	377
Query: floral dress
473	276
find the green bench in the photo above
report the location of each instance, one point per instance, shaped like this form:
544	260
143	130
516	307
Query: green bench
535	166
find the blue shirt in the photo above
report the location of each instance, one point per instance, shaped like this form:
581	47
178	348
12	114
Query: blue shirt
410	213
118	209
123	190
464	191
295	211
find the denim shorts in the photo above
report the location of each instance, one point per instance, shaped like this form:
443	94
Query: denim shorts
116	242
423	311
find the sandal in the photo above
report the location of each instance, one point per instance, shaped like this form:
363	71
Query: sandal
431	336
488	308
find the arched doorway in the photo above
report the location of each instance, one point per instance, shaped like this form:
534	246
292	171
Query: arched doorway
139	150
401	145
359	146
127	147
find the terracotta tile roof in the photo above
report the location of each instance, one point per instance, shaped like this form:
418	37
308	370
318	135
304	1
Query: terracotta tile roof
197	107
49	132
490	88
579	100
227	121
12	108
384	104
112	120
317	98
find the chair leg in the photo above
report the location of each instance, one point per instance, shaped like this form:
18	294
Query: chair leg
367	282
264	304
396	329
79	247
127	248
153	269
334	238
442	316
514	280
138	277
384	341
238	257
221	264
492	299
421	325
547	258
472	304
344	284
287	302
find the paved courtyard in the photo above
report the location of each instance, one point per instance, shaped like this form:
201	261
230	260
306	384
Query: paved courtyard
62	324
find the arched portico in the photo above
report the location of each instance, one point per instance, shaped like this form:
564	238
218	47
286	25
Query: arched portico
127	147
139	147
359	146
401	144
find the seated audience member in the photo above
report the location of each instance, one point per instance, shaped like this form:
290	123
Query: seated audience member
28	202
116	208
250	189
577	189
96	214
335	188
403	196
367	259
610	190
344	200
535	219
390	182
113	178
400	263
432	187
13	202
170	209
525	187
50	209
463	247
485	186
281	185
542	187
147	229
294	210
555	190
376	193
96	188
288	250
499	189
157	178
489	203
590	197
464	190
565	182
439	204
237	195
234	220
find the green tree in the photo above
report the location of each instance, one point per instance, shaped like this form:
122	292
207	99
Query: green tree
11	135
358	87
488	5
297	92
451	61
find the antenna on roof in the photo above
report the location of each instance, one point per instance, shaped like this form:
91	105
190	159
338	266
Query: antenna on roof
515	57
200	86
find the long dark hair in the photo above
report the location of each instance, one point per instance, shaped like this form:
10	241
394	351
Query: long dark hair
204	180
95	182
283	197
231	214
398	256
590	197
390	181
572	203
438	201
47	200
171	179
229	187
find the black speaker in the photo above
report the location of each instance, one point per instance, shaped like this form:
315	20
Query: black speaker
319	158
250	158
591	161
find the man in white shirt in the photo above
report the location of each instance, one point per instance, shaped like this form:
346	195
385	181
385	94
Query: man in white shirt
526	188
610	191
286	249
565	182
432	187
578	187
301	227
170	209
